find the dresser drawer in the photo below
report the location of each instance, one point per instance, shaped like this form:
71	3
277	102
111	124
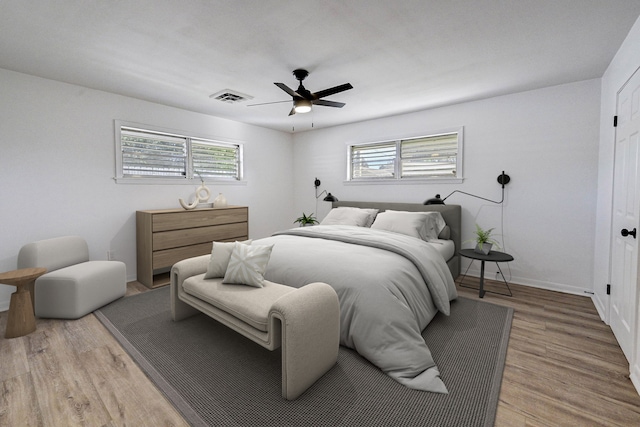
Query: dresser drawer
192	236
195	219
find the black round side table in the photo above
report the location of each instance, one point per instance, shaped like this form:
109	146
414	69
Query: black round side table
493	256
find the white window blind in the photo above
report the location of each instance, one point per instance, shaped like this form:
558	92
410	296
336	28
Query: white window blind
215	160
437	156
431	156
154	154
373	161
149	154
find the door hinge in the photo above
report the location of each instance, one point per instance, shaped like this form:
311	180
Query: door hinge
615	121
608	289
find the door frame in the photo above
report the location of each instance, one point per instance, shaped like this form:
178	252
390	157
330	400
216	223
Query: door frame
634	357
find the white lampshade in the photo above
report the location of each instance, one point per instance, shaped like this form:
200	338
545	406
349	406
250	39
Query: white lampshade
302	106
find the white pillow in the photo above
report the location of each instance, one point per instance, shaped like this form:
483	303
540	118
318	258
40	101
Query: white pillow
422	225
220	255
350	216
408	223
248	264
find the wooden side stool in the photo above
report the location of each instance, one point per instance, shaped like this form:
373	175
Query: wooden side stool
21	320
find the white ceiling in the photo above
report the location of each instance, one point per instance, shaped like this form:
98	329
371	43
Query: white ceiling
400	55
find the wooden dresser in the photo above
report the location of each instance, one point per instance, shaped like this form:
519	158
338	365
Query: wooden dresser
164	237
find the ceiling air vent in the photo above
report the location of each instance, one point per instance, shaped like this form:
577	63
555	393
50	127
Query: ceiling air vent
230	96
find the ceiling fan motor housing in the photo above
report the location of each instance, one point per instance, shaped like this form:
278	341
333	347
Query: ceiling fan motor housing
300	74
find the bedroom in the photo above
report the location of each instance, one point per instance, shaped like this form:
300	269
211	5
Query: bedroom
49	126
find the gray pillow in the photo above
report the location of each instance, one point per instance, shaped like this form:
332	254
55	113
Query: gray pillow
220	255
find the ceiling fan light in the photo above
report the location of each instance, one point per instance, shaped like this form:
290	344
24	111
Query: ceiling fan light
302	106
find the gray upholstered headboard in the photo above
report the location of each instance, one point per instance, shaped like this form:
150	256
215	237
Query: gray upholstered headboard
452	214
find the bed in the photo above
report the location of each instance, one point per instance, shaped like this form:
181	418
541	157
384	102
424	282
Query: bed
390	283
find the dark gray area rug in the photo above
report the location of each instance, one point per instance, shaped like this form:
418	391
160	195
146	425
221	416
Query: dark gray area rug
217	377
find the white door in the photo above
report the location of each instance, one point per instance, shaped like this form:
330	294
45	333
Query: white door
626	217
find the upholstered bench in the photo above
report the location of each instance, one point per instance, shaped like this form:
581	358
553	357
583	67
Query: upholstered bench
305	322
73	285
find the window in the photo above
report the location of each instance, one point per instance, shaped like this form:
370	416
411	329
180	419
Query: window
437	156
152	155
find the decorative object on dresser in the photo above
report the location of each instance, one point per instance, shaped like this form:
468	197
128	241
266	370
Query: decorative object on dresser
164	237
220	201
202	197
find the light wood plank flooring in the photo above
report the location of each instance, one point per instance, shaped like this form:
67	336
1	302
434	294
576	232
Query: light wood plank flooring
563	367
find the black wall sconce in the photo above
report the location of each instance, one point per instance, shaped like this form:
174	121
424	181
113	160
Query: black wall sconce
328	198
503	179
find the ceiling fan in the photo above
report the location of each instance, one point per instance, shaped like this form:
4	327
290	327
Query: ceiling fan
303	99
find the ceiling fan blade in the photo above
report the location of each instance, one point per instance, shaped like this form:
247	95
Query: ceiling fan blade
287	89
267	103
293	111
332	91
326	103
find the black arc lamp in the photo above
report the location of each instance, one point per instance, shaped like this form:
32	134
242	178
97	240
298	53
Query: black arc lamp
329	197
503	179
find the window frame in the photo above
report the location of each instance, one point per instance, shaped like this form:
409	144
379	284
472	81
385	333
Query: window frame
397	178
190	177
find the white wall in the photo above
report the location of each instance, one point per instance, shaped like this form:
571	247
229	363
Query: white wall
546	140
57	164
57	161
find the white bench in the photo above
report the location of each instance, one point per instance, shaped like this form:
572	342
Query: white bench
305	322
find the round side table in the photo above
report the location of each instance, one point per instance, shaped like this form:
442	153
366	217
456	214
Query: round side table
21	320
493	256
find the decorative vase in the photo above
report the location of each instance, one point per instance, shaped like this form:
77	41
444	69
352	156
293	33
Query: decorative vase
220	201
483	248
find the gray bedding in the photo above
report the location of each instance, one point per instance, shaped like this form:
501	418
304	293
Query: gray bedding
389	285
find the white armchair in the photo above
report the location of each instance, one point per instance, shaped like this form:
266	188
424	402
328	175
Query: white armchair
73	286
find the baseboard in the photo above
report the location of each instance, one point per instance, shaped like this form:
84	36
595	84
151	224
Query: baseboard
635	377
600	308
549	286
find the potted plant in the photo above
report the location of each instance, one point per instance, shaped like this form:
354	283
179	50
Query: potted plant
484	241
306	220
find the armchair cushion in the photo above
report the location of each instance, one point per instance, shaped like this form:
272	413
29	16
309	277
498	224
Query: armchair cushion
54	254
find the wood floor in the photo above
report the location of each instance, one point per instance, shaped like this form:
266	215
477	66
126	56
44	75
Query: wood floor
564	368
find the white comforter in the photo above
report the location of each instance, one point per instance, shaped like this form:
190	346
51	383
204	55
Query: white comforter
389	285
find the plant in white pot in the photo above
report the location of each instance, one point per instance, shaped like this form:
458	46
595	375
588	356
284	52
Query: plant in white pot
306	220
484	241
